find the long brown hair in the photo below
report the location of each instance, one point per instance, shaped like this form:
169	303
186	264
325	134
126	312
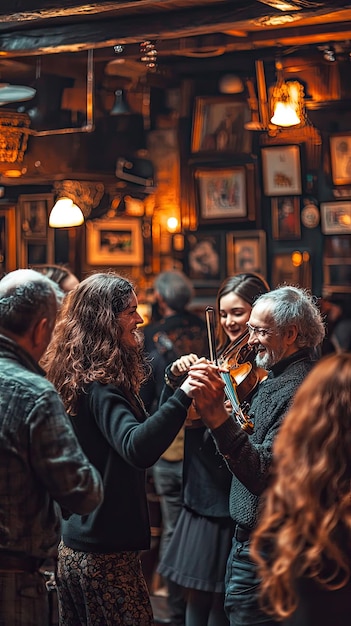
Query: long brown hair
307	510
86	345
247	286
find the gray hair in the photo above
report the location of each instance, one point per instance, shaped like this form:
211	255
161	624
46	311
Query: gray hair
175	288
26	297
294	305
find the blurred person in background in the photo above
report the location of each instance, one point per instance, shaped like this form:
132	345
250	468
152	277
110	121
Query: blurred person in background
59	274
178	332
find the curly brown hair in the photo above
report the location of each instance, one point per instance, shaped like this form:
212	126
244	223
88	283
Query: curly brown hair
86	344
306	513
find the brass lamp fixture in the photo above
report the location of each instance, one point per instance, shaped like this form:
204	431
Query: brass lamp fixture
14	130
286	101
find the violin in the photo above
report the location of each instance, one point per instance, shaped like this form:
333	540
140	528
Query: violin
239	358
241	376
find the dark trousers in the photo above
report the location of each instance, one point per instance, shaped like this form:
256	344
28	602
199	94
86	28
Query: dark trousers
23	599
168	479
241	589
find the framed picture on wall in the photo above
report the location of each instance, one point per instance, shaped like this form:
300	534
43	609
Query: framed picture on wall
218	125
340	158
286	217
246	252
8	255
202	256
34	214
336	218
281	170
292	268
225	193
36	238
114	242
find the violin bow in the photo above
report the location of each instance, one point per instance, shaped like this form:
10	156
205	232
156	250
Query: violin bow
229	388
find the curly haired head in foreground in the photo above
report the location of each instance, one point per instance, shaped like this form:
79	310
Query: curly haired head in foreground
306	515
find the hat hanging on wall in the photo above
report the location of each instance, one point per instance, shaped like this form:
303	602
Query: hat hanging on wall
136	170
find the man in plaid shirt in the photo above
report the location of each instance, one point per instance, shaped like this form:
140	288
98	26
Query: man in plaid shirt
43	471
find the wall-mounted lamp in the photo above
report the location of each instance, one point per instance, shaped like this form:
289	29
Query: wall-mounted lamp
287	101
65	214
75	201
120	106
172	224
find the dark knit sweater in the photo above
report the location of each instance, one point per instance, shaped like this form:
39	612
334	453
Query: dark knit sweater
249	457
121	443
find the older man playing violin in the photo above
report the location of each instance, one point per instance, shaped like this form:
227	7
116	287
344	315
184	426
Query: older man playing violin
197	555
285	328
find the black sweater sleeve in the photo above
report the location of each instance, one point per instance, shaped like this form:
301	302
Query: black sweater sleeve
139	442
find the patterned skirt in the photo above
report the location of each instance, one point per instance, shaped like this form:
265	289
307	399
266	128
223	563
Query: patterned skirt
102	589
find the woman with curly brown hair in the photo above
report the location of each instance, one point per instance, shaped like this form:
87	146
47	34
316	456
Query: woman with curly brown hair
302	543
96	362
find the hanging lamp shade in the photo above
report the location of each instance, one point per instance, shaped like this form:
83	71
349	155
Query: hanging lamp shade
65	214
120	106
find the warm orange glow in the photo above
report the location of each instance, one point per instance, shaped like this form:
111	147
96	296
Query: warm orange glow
172	224
13	173
297	258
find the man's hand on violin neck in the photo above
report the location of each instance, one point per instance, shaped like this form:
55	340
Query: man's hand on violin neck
208	392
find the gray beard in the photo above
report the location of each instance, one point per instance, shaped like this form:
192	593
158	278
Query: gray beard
268	359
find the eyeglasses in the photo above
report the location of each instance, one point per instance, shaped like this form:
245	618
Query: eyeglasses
261	333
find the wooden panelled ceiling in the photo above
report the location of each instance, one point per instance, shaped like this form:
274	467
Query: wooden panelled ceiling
190	35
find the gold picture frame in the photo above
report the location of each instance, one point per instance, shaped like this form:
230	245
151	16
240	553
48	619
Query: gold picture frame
281	170
336	218
219	125
340	158
114	242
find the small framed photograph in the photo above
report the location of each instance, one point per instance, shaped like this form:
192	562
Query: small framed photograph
338	247
221	193
8	255
281	169
246	252
202	256
336	218
286	217
34	215
219	125
340	157
37	252
114	242
225	193
337	276
292	268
